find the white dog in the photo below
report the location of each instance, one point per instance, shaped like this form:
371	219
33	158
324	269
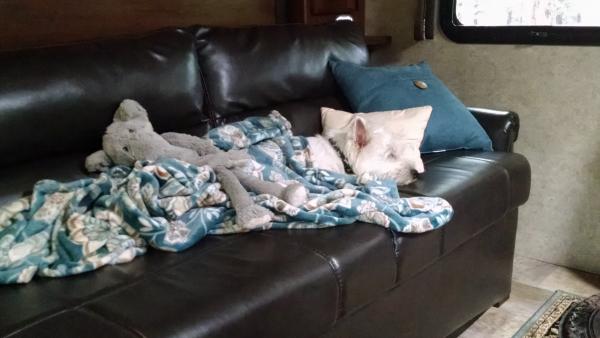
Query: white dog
368	152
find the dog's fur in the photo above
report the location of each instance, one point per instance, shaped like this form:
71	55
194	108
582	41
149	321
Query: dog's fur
368	152
323	155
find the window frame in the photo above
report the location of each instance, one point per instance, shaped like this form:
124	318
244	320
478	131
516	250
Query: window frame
534	35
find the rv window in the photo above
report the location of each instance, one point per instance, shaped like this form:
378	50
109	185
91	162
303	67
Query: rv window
567	22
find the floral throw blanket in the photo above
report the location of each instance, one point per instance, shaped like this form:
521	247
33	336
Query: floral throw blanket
69	228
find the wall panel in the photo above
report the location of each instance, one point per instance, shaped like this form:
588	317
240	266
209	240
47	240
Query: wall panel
555	91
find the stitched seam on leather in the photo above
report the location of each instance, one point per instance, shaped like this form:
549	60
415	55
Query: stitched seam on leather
207	96
70	305
79	307
431	160
341	308
442	244
493	163
419	272
207	102
509	206
516	126
507	130
337	273
37	321
56	314
475	234
506	173
121	325
397	257
400	258
144	277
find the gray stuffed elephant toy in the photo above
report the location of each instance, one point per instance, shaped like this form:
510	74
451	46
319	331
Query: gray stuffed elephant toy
131	138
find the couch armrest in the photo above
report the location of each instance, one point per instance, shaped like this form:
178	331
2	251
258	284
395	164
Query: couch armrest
501	126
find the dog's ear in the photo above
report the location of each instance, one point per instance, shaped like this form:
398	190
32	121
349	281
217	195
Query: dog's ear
419	167
360	133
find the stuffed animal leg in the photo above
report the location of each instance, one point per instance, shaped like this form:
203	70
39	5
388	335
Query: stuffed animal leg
200	145
248	214
294	194
210	154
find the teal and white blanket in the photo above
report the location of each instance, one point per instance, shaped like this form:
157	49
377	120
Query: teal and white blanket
69	228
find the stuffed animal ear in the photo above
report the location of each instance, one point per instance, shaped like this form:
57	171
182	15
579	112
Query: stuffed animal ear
360	132
129	110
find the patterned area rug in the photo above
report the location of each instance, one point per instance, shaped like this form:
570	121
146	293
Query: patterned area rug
545	323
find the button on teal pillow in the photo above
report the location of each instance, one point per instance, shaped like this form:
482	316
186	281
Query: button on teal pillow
371	89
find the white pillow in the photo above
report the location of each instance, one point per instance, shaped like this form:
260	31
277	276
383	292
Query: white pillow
407	128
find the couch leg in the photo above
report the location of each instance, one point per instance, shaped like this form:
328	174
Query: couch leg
463	328
500	303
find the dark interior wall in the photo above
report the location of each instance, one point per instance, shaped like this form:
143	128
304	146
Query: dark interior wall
31	23
556	90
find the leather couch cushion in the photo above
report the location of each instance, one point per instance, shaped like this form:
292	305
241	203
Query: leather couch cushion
18	180
248	286
60	99
75	323
303	281
480	186
258	67
304	115
233	286
361	257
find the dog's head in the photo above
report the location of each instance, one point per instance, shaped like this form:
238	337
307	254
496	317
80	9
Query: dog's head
376	151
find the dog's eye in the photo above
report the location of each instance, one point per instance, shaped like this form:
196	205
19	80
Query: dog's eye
125	149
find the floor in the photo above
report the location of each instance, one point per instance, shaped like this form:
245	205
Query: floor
533	283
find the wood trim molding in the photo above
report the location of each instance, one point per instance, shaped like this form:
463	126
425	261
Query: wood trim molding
35	23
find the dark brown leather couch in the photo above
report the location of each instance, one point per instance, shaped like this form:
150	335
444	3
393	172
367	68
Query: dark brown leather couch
353	281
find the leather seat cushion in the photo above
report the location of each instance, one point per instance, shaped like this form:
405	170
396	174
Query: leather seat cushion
301	281
227	286
247	285
361	256
480	186
18	180
75	323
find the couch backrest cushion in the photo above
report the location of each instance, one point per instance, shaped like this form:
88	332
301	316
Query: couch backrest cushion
304	115
259	67
60	99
